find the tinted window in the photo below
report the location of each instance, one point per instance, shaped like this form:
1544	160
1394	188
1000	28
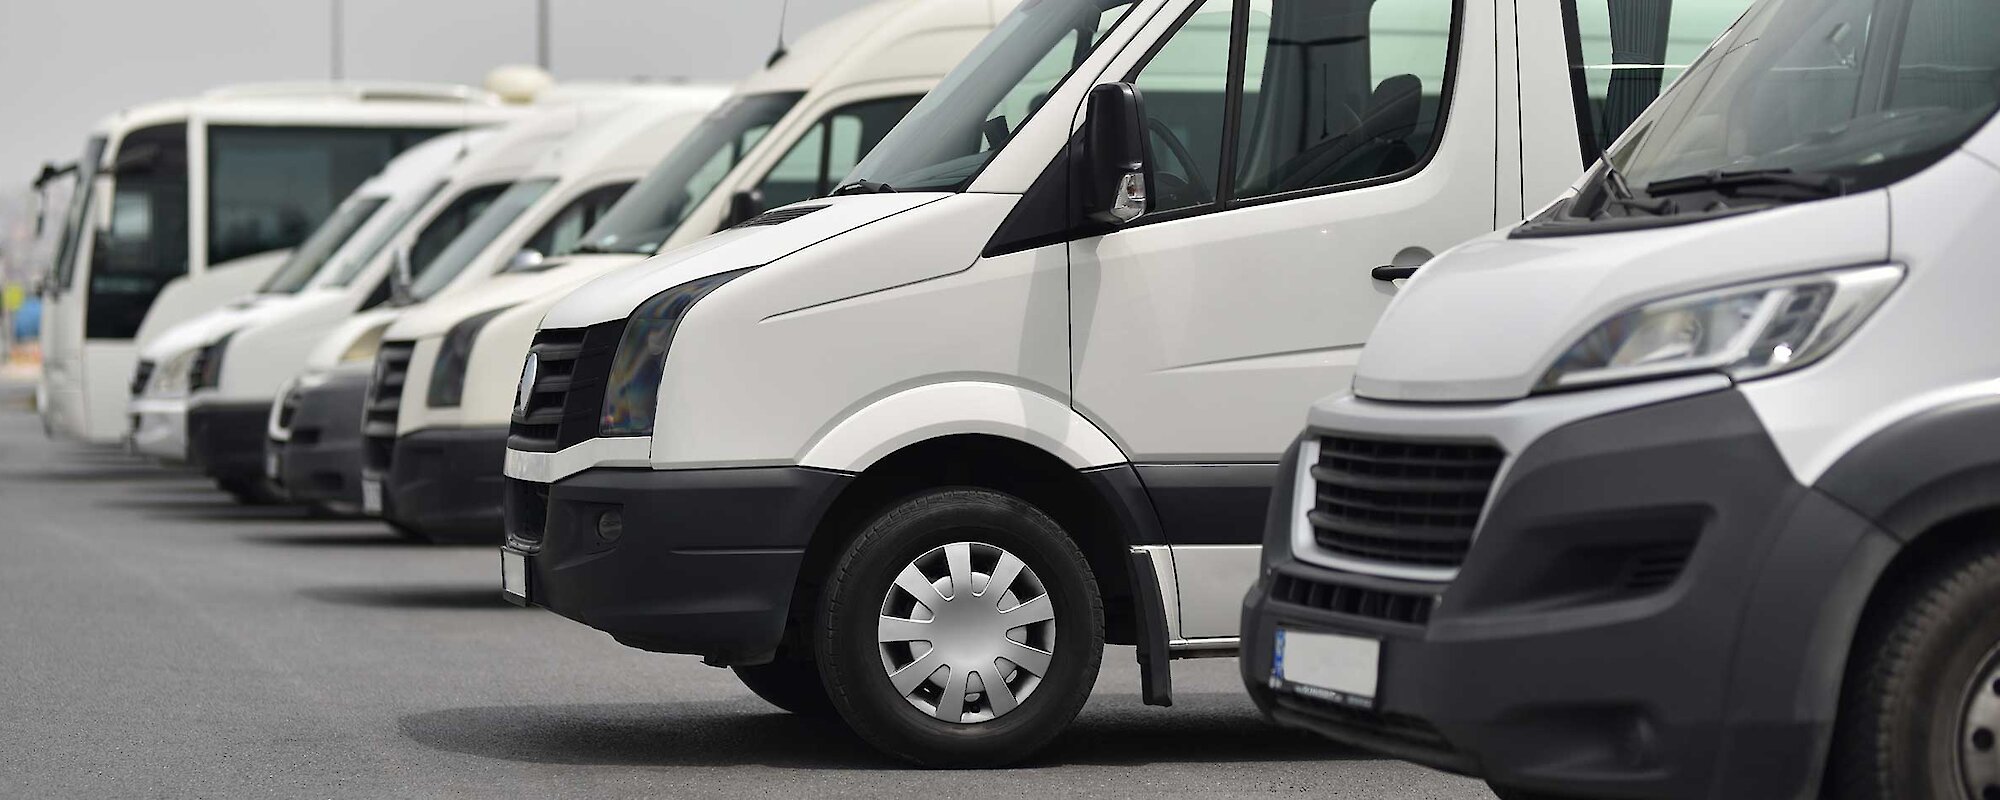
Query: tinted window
271	187
476	237
362	253
649	214
1630	51
1340	91
830	149
145	243
563	233
451	221
1185	85
305	262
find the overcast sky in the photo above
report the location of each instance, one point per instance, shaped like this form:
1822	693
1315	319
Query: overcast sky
64	64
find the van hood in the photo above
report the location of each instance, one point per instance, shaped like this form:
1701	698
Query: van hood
326	354
1485	320
436	316
613	296
209	327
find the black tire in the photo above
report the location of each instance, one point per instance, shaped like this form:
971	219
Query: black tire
250	492
1924	650
1510	793
852	663
791	684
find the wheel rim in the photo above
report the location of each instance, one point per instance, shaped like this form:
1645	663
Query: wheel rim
1979	733
967	632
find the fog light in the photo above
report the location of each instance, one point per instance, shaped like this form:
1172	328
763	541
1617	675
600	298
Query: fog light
610	526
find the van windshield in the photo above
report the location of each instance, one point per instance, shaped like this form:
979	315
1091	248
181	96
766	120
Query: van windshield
509	206
365	251
647	215
972	113
306	261
1805	99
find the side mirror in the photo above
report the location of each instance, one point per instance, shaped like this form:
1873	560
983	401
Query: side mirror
528	258
744	206
400	278
1114	154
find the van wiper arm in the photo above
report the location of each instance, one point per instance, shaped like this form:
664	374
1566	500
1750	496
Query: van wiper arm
1622	197
863	187
1812	183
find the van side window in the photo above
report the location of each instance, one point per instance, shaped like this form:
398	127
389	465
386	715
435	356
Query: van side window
450	222
828	151
1631	51
1340	91
1185	86
563	233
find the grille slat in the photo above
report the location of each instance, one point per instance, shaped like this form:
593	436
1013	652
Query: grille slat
566	400
1401	503
383	405
1387	606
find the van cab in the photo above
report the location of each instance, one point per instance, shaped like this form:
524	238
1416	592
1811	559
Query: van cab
789	133
1684	487
918	450
367	219
186	188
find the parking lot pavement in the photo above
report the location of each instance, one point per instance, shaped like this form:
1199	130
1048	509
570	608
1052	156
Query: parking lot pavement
157	640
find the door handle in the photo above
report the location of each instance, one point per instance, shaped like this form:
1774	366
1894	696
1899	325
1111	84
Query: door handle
1391	272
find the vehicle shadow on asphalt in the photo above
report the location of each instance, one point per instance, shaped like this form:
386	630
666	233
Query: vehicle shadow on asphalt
1201	728
107	472
363	534
212	506
454	598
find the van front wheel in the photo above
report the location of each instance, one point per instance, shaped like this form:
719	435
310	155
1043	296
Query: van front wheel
962	628
1921	707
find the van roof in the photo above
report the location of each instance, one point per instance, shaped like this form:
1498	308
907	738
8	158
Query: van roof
884	40
335	103
629	136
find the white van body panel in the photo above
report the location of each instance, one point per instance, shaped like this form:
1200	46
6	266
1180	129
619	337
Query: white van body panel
186	297
961	407
1440	345
1941	216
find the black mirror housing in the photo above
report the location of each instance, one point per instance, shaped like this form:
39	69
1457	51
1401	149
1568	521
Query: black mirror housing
744	206
1114	180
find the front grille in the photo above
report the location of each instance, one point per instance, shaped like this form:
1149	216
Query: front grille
1405	503
1653	568
1354	601
777	217
141	376
383	405
563	405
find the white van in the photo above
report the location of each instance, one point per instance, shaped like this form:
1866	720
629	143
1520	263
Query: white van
185	187
362	223
790	133
919	449
1686	487
228	409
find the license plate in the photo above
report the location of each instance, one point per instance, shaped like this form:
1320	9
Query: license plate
1327	666
371	497
273	468
514	577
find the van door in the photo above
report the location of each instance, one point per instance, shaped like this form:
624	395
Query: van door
1296	145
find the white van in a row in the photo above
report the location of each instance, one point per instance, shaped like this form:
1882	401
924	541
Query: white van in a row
1688	486
918	450
194	188
445	395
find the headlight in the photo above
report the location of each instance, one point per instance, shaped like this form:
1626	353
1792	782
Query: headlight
454	355
364	346
634	386
170	379
1745	331
205	372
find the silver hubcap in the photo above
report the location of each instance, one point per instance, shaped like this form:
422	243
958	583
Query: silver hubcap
967	632
1979	752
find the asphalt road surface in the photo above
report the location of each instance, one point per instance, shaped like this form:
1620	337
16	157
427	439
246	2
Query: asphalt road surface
157	640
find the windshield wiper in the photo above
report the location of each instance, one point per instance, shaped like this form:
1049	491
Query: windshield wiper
1812	183
862	187
1622	197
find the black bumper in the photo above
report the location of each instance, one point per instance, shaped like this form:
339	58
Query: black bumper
227	440
321	463
1653	608
446	483
705	564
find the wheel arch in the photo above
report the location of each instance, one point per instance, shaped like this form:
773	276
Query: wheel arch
1104	508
